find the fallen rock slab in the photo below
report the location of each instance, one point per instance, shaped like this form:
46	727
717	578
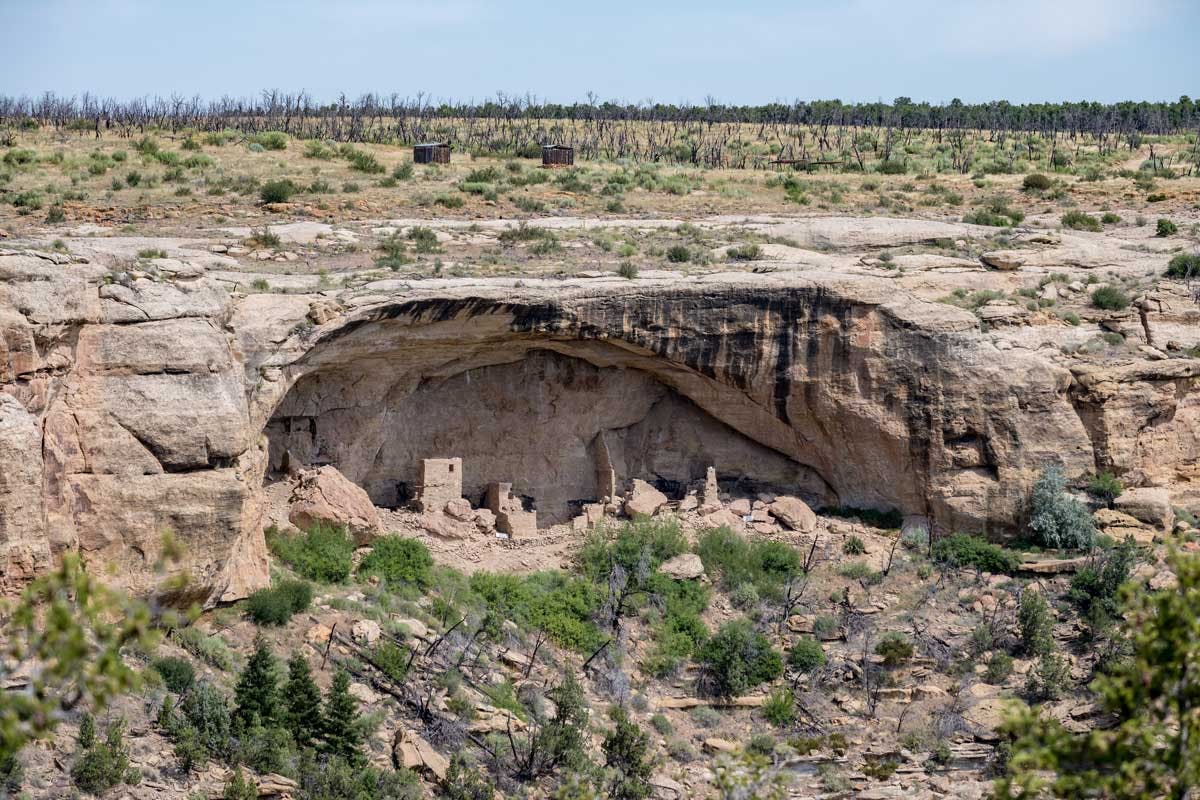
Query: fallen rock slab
324	496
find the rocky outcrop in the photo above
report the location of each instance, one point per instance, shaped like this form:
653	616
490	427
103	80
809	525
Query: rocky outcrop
323	495
137	404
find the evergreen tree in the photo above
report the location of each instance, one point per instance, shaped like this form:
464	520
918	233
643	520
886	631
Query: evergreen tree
626	749
303	701
341	733
257	692
1153	747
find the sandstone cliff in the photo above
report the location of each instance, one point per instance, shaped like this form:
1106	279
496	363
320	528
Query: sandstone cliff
131	404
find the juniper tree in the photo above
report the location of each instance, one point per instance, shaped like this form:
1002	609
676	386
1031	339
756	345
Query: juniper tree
626	750
303	701
1153	747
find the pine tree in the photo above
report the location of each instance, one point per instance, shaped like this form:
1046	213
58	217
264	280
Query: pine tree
626	750
257	692
341	734
303	701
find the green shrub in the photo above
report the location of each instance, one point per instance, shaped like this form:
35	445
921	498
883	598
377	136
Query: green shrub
152	252
738	658
1079	221
806	655
1105	486
19	156
628	270
30	200
448	201
321	554
403	172
263	237
824	625
678	254
275	606
1035	623
1109	218
177	673
661	724
999	668
779	708
853	546
317	149
272	140
205	710
745	252
1048	679
962	550
1058	520
1184	265
424	239
278	191
362	161
1110	298
559	604
735	561
213	650
1036	182
1095	587
895	648
103	764
1164	227
398	560
744	597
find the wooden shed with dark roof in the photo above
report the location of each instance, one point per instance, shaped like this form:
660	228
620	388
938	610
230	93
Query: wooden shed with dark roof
557	155
431	153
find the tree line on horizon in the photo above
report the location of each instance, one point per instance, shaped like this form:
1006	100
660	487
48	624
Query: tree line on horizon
717	133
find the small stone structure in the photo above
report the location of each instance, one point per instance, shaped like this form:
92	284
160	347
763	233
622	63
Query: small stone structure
441	483
511	516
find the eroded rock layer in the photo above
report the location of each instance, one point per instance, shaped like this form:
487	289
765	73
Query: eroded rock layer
135	407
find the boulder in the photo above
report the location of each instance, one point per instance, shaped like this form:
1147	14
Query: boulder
644	500
460	509
741	507
444	527
1111	518
410	751
324	495
715	745
1005	261
1151	505
366	631
683	567
414	626
794	513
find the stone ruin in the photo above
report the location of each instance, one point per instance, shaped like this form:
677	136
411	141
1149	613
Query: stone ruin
441	483
511	516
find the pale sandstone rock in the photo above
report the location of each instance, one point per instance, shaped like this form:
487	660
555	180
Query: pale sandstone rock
366	631
686	566
1150	505
414	626
741	507
460	509
411	751
644	500
794	513
323	495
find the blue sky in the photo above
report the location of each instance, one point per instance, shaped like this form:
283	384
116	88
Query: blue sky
673	51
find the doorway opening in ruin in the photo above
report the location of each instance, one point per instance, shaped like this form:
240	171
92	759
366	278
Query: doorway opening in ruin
561	430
